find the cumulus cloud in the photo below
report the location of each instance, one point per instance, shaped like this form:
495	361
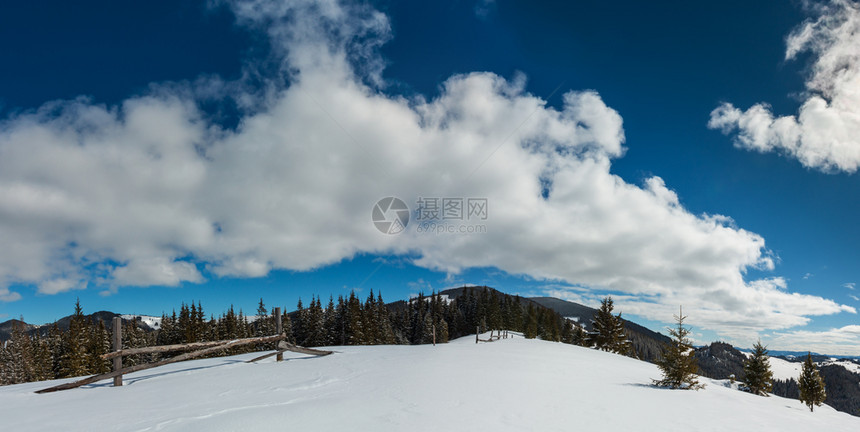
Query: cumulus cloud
825	134
836	341
153	192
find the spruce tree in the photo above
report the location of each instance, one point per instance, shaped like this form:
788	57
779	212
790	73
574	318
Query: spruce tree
315	334
383	319
678	362
579	334
354	326
332	328
299	323
19	366
287	324
97	343
531	323
73	361
810	384
264	325
758	378
608	330
42	361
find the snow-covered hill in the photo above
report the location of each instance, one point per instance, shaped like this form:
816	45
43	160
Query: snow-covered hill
513	384
784	369
153	322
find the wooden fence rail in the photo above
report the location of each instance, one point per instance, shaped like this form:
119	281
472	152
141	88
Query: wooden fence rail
187	356
500	335
202	349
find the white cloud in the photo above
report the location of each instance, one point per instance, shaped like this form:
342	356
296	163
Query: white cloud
8	296
825	134
808	275
849	285
837	341
150	191
854	297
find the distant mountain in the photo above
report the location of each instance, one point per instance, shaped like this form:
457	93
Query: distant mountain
801	355
146	323
720	360
6	328
95	317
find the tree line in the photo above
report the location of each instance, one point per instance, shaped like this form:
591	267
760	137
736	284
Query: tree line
76	351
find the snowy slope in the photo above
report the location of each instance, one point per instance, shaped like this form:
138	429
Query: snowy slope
151	321
851	366
784	369
508	385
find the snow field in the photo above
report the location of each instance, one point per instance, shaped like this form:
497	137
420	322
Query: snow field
508	385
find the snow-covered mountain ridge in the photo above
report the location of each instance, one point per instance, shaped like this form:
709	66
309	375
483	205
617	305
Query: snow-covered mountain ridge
512	384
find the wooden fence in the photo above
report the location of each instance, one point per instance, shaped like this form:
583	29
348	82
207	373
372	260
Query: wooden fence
502	334
202	348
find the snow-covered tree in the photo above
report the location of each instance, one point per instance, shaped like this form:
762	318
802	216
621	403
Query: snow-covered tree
810	384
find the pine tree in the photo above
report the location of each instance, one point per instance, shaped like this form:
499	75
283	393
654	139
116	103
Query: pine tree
315	334
264	325
354	325
55	346
262	322
442	333
299	323
98	343
332	328
608	330
42	361
6	362
73	360
383	319
531	323
678	362
18	364
758	378
579	335
287	324
810	384
372	336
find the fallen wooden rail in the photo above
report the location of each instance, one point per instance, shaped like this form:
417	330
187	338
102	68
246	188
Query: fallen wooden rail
162	349
286	346
224	345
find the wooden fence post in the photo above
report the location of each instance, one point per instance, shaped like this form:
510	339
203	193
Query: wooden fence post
117	346
434	334
477	332
279	329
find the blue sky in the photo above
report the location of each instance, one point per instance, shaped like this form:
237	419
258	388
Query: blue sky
666	154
